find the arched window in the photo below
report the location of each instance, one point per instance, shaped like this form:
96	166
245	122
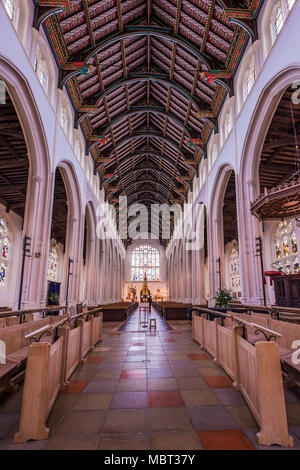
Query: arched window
278	21
53	261
41	69
77	149
4	252
249	79
290	4
234	265
63	119
228	124
214	153
285	250
11	7
145	259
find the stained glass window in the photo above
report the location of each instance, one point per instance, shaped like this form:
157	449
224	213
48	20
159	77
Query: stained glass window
53	262
43	75
4	252
64	118
249	80
10	7
290	4
145	259
228	124
235	271
285	249
278	23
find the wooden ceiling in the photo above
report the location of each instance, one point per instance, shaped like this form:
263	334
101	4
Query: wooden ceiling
147	79
278	158
14	161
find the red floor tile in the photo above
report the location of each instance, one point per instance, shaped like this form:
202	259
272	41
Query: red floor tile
198	357
164	399
76	386
168	340
94	359
219	381
133	374
231	439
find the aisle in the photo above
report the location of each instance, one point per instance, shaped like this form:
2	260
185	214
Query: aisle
132	323
155	391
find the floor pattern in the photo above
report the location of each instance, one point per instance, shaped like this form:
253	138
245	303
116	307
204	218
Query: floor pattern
150	391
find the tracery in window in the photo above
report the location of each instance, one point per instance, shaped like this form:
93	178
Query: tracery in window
249	80
235	280
228	124
290	4
10	7
4	252
278	20
285	250
64	118
53	261
145	259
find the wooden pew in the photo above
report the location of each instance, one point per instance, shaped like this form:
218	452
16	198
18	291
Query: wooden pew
118	311
16	345
172	310
255	371
49	368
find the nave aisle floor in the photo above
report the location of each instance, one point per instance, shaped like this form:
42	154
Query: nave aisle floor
156	391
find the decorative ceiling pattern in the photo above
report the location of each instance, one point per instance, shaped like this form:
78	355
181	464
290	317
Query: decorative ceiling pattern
147	79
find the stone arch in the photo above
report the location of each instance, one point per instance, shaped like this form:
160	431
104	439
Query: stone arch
38	196
248	188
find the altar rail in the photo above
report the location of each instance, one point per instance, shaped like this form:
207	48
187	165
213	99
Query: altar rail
255	371
49	367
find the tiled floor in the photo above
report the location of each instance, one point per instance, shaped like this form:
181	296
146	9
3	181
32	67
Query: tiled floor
147	390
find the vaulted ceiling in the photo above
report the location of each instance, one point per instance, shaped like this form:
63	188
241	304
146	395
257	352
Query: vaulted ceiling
147	79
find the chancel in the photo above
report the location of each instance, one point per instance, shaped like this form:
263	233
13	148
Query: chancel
149	226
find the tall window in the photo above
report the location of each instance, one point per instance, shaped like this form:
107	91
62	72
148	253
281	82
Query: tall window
145	259
64	118
4	252
290	4
278	20
10	7
53	262
228	124
235	279
41	69
249	80
285	250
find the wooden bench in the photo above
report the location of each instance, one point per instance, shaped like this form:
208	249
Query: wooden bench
255	371
16	344
172	310
49	368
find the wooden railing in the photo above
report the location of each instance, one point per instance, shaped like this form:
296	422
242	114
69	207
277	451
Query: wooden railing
254	369
49	367
20	315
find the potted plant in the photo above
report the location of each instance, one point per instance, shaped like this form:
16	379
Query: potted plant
53	299
223	298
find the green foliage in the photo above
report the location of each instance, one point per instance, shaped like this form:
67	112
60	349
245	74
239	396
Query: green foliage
223	298
54	298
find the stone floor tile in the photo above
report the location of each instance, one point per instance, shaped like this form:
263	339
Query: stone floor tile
210	418
188	440
129	400
169	419
125	421
99	401
199	397
81	422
